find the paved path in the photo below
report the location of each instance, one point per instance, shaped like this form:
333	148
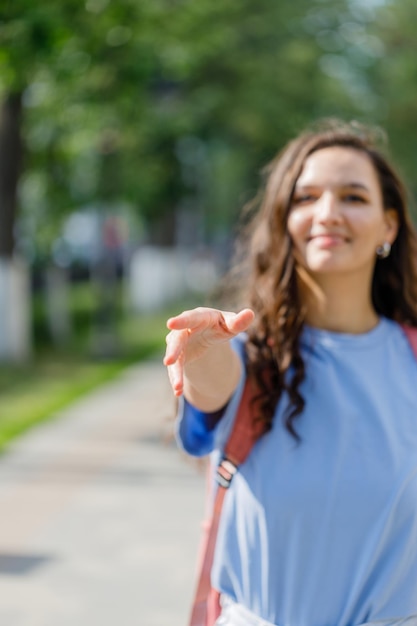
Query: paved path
100	514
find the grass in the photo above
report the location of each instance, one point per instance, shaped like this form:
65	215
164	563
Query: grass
37	395
33	393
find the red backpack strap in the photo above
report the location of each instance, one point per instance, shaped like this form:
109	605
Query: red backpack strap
246	431
411	334
206	606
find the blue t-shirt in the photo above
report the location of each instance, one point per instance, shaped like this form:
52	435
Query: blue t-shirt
324	533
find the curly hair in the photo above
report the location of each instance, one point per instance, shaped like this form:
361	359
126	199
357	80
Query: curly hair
270	285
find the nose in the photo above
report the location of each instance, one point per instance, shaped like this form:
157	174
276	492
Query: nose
327	208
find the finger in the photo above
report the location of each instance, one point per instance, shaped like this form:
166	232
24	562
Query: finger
176	377
239	322
204	317
176	343
191	319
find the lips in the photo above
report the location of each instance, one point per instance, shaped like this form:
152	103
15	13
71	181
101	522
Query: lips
328	239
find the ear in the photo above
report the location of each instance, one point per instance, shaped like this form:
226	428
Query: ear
391	225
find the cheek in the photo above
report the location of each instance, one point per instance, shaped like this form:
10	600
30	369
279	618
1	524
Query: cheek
367	225
298	226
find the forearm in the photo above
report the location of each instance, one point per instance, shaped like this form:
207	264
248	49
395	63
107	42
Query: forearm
210	380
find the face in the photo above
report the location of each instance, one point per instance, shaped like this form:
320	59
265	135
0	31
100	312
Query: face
337	219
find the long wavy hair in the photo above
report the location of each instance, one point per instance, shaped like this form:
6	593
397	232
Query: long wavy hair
269	276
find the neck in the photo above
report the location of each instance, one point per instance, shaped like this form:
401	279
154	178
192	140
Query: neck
340	304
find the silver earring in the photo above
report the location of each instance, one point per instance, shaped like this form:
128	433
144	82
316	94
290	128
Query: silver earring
383	251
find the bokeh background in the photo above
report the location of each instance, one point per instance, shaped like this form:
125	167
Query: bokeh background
132	132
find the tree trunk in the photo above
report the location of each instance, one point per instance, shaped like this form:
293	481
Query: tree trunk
15	340
10	168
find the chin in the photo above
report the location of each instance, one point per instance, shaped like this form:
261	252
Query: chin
324	266
328	263
329	268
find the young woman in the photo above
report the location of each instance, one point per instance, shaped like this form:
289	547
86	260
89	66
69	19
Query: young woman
319	527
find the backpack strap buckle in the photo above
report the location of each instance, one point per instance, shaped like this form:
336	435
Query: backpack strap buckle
225	472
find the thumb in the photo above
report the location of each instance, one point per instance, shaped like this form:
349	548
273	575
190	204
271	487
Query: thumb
239	322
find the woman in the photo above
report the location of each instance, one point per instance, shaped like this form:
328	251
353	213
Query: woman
319	527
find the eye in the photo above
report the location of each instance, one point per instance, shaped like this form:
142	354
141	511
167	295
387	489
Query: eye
354	198
305	198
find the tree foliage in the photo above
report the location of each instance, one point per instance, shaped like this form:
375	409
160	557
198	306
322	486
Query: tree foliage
174	105
394	81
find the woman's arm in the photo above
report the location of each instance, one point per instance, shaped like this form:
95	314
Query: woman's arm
201	363
210	380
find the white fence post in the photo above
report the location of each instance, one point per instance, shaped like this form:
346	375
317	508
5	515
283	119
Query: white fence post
15	323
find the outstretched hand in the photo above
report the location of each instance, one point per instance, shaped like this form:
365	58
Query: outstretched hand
193	333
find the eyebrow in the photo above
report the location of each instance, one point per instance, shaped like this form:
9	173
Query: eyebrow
352	185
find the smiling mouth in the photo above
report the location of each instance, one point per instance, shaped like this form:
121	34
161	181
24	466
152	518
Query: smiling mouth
329	239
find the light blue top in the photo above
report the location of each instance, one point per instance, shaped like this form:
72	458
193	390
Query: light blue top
324	533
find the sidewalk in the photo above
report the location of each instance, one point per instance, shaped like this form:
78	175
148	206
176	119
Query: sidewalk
99	514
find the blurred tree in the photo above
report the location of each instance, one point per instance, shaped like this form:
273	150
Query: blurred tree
24	42
239	77
173	105
373	53
10	166
394	80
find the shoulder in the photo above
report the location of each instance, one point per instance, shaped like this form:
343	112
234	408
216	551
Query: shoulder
404	330
411	334
402	338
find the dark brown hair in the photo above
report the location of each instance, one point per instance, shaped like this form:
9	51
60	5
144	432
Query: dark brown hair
270	285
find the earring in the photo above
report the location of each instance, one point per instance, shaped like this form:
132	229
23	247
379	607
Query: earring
383	251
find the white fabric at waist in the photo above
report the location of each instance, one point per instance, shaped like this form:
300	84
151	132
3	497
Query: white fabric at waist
234	614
